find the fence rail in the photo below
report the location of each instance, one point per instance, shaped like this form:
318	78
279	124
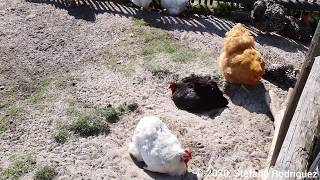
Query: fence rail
311	5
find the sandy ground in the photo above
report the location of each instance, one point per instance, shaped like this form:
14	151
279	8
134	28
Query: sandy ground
71	46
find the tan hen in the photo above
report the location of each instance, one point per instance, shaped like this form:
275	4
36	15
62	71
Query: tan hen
240	62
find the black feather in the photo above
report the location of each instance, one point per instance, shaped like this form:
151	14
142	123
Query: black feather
268	15
198	94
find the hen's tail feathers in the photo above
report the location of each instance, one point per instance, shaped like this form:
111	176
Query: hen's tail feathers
133	150
140	164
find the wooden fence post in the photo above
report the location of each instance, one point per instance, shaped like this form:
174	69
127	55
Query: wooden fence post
314	50
304	128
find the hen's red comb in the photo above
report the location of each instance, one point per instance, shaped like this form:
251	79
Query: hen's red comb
173	86
188	153
173	82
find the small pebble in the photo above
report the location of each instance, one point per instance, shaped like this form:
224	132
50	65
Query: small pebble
149	106
31	16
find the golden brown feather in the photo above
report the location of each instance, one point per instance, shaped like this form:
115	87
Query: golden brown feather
240	62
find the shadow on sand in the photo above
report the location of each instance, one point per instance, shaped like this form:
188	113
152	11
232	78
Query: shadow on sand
87	10
159	176
250	98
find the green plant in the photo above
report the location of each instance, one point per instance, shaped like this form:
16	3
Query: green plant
148	44
155	41
133	106
8	119
61	135
18	168
202	8
124	107
40	91
45	173
2	104
89	126
223	9
160	73
65	81
110	114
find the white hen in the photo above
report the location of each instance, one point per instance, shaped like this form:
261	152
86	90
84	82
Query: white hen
155	145
174	7
142	3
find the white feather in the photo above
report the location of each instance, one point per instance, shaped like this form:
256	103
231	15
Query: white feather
154	144
142	3
174	7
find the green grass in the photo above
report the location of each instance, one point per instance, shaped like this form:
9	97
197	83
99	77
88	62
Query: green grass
9	119
18	168
88	125
61	135
64	82
92	121
155	41
45	173
72	109
132	107
160	73
122	58
2	104
148	44
86	122
221	9
109	114
39	94
112	115
127	108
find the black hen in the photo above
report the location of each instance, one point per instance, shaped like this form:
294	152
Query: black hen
268	15
296	29
197	94
283	76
